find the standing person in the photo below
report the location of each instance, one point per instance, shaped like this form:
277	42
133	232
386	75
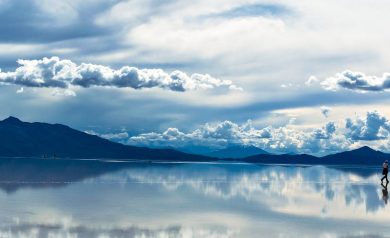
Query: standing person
385	171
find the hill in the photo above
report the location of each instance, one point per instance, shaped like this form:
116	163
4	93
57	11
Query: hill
362	156
24	139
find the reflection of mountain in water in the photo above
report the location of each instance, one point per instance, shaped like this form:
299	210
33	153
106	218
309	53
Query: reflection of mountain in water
18	173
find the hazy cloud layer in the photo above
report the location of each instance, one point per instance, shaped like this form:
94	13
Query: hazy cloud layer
57	73
42	21
253	10
357	81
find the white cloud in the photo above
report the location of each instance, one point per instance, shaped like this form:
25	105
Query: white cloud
110	136
213	135
57	73
312	80
373	127
308	38
20	90
63	92
219	135
357	81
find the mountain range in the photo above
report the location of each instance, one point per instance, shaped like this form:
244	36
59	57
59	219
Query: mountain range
25	139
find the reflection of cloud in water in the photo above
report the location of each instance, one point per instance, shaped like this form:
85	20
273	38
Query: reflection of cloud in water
302	191
193	200
18	229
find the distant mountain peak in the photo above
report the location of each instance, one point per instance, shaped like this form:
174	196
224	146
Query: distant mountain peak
366	148
242	146
12	120
237	151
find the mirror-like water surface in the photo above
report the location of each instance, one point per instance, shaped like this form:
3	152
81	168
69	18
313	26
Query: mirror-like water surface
191	200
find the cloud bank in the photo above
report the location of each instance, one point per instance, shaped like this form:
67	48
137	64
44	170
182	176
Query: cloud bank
56	73
220	135
332	137
357	81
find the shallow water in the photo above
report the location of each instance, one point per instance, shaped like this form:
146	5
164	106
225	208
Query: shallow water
191	200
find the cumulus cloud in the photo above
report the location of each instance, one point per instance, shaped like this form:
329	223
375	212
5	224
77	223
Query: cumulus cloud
57	73
326	132
215	135
219	135
373	127
357	81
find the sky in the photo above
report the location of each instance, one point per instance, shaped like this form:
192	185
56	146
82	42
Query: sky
285	76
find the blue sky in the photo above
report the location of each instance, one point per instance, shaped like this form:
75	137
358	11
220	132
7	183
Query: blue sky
287	76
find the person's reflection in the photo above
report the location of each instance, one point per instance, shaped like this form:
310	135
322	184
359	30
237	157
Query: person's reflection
385	193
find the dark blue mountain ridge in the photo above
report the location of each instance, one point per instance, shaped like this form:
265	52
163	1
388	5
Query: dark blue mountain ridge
361	156
237	151
25	139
